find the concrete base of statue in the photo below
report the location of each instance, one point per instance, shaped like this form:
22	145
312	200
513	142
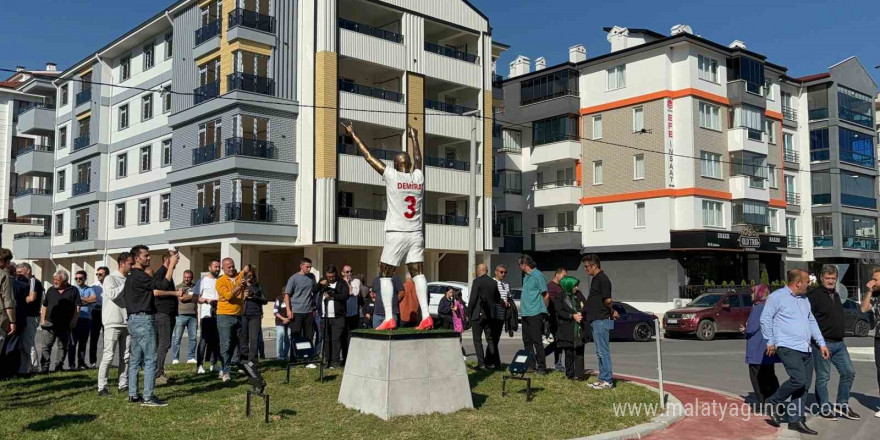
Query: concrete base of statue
401	373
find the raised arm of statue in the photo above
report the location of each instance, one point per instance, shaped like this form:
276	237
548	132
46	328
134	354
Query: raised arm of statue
377	164
417	151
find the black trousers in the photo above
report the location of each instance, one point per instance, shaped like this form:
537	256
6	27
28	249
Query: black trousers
764	381
302	326
164	331
877	358
95	336
574	361
50	337
532	332
208	350
351	324
76	354
333	332
249	337
492	329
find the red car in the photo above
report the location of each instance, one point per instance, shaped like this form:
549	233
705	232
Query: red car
709	314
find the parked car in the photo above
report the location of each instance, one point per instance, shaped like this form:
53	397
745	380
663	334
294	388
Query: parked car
437	290
516	293
856	322
632	324
709	314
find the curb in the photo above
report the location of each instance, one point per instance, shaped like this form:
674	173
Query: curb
861	354
657	423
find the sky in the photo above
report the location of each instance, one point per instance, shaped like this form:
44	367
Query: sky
806	36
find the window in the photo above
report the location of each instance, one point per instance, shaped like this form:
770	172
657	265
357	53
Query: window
598	218
597	127
638	167
710	116
774	221
820	188
511	140
120	215
146	159
122	165
65	91
707	68
552	85
62	181
59	224
165	207
791	230
710	165
748	212
169	45
147	107
166	99
854	107
565	221
123	117
859	232
713	214
819	145
746	163
598	173
62	137
790	185
556	129
771	172
616	77
822	231
751	118
817	102
768	90
640	214
125	68
857	190
746	69
638	119
788	142
143	211
149	56
856	148
770	130
166	152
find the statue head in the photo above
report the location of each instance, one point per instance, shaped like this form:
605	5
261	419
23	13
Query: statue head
402	163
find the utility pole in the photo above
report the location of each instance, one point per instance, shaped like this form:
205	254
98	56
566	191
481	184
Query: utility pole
472	200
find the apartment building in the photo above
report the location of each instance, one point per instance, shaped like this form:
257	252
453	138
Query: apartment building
213	127
27	140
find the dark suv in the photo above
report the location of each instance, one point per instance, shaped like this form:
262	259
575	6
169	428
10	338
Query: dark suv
709	314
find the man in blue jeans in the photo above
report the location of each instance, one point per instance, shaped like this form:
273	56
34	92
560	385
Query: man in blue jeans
600	316
138	293
186	318
788	324
828	311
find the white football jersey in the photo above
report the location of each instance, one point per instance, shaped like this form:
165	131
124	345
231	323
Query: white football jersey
405	192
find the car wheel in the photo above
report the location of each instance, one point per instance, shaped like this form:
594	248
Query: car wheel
706	330
642	332
861	328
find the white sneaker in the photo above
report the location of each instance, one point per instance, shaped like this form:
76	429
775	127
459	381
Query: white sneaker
201	370
465	358
877	414
601	385
191	361
311	366
225	378
175	362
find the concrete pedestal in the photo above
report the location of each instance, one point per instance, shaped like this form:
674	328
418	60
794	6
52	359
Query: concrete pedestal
391	375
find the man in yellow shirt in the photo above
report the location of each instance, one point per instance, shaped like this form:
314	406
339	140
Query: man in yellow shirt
230	306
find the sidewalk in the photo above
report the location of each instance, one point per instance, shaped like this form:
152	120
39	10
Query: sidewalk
700	423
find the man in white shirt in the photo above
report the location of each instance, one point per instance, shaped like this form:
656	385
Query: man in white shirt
209	343
115	320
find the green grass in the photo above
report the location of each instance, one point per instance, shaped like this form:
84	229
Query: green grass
66	406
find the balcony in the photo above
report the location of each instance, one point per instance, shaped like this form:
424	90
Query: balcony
820	199
795	241
206	154
361	213
497	87
36	119
36	159
80	188
31	245
79	234
84	96
451	53
816	114
789	113
251	148
792	198
205	215
373	92
370	30
208	31
562	149
250	212
819	155
251	83
364	227
377	153
31	202
81	142
447	108
368	43
860	243
823	241
858	201
252	20
554	238
443	120
746	139
448	220
206	92
791	156
371	105
451	164
857	158
561	193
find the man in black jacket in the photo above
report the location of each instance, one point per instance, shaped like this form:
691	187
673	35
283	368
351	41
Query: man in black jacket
828	310
334	293
485	314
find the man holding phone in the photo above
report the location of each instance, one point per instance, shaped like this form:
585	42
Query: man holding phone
871	301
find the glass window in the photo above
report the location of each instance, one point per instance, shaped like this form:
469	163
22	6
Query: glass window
638	167
125	68
770	131
774	221
147	107
640	214
598	218
143	211
707	68
552	85
748	212
710	116
166	152
819	145
817	102
616	77
510	181
146	161
856	148
771	173
638	119
749	70
790	184
710	165
713	214
165	207
854	107
820	187
62	137
788	142
59	224
749	117
62	181
169	46
511	140
122	165
822	231
598	173
120	215
149	56
123	117
791	227
857	190
556	129
166	99
746	163
65	91
597	127
859	232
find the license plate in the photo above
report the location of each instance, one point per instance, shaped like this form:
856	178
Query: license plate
672	321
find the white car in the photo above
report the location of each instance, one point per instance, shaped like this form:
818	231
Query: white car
437	290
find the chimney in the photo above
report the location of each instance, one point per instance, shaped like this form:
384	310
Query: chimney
540	64
577	53
737	44
19	68
520	66
681	29
51	67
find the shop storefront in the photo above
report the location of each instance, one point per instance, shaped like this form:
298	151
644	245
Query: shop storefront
725	256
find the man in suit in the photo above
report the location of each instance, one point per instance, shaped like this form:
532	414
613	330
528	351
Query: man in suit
483	312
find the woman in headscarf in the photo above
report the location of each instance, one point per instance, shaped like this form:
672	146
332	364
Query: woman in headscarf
570	334
762	370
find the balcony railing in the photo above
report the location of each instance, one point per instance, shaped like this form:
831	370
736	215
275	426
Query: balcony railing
250	212
32	148
451	52
450	220
563	228
251	83
252	19
818	113
377	153
556	184
497	80
84	96
451	164
33	192
369	30
373	92
820	199
26	107
250	147
859	201
81	187
79	234
362	213
789	113
31	235
819	155
81	142
823	241
205	215
862	243
206	92
448	108
206	154
207	31
795	241
792	198
497	86
856	158
791	156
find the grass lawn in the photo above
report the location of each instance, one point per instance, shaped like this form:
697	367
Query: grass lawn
66	406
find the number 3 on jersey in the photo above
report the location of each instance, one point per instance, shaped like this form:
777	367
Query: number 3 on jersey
410	207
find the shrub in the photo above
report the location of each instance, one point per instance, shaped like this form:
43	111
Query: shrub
765	278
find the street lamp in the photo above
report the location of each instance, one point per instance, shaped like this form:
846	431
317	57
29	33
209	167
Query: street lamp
472	199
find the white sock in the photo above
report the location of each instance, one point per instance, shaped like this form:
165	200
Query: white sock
422	293
387	289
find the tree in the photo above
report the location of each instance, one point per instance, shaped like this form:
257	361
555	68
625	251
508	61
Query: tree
724	284
743	283
765	278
